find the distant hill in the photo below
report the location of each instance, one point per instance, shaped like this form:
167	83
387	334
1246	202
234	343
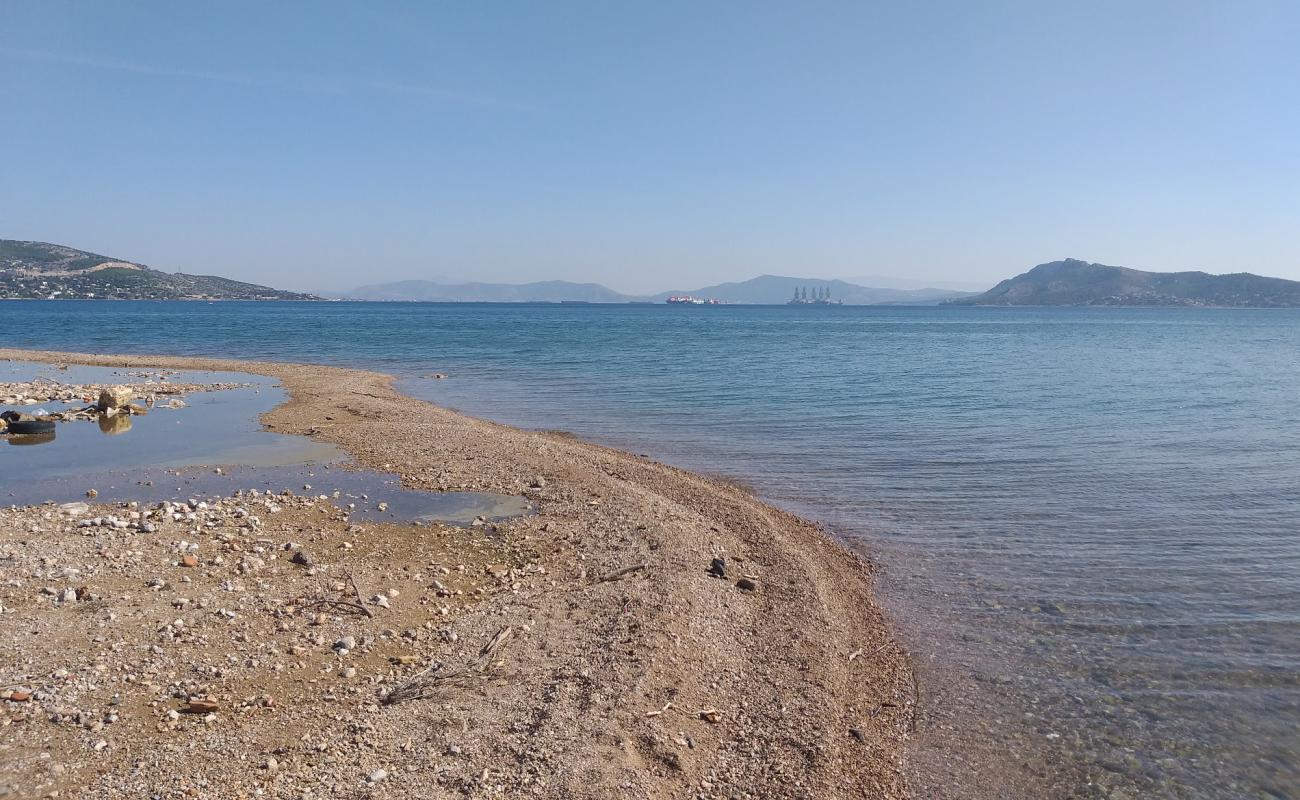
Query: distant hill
776	289
1077	283
42	270
540	292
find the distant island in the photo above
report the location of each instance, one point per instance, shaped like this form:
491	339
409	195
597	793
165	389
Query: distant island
763	290
40	270
1078	283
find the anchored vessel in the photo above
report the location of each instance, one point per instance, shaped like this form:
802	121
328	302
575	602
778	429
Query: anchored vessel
686	299
821	296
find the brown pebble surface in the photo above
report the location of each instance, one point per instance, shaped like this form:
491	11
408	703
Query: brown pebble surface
586	651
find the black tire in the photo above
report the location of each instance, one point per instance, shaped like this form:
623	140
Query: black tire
30	426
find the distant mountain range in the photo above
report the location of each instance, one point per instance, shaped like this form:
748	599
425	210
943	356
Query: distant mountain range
765	289
775	289
540	292
43	270
1078	283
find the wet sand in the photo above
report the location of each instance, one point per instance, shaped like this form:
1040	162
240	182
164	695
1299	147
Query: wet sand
629	670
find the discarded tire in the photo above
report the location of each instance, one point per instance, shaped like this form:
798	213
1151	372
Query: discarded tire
24	427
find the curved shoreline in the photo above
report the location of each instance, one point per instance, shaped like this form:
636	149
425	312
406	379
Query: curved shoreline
815	697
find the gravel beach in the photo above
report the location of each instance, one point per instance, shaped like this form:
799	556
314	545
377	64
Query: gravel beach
649	633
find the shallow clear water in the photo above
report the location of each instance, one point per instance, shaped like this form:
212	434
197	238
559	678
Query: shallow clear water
1089	515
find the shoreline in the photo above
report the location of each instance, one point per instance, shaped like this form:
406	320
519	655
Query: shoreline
813	693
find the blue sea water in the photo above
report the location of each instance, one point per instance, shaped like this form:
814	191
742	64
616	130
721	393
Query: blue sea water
1087	521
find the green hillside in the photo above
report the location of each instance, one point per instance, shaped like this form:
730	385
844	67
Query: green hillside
32	270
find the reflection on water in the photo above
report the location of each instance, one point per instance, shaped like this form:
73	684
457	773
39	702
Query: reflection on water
24	439
114	425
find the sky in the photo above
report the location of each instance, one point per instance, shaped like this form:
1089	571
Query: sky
648	146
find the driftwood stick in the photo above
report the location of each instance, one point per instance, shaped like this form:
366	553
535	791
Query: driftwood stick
434	680
360	598
613	576
337	605
489	648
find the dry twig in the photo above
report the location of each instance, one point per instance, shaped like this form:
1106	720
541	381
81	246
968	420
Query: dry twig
361	603
613	576
434	680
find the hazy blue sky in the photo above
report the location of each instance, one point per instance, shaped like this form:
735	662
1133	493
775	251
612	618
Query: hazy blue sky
653	145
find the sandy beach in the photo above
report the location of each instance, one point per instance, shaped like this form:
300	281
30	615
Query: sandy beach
585	651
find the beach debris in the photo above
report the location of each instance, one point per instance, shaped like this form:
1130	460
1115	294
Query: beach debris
650	714
711	715
30	426
200	707
360	601
345	603
621	573
718	567
434	680
110	406
112	398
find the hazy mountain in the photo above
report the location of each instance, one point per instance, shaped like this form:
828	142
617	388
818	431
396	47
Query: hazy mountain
540	292
40	269
775	289
1077	283
765	289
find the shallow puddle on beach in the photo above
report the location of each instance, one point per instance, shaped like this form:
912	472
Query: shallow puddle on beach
360	492
219	427
173	454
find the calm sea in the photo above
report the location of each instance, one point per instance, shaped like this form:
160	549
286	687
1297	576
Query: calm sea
1087	521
